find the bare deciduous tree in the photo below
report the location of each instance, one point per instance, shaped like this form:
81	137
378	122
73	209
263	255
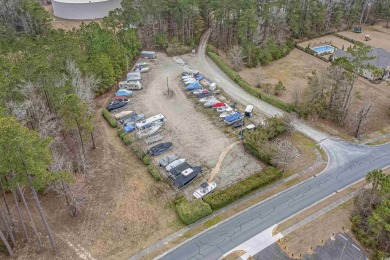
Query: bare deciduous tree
84	87
285	153
360	119
236	57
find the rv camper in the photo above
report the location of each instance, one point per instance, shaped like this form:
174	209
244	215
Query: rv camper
131	85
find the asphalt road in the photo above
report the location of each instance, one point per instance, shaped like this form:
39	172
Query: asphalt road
348	162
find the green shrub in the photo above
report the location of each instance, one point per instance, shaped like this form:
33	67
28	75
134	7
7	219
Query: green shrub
349	39
247	87
146	160
154	172
211	48
126	139
262	153
110	119
190	212
221	198
138	151
175	49
120	132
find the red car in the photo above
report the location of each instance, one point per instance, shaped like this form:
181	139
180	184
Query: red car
220	104
119	98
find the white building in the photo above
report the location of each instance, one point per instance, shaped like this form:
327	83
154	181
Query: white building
84	9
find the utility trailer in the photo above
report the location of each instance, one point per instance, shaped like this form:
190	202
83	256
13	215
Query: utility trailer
153	139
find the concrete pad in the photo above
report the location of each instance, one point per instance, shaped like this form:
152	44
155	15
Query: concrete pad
257	243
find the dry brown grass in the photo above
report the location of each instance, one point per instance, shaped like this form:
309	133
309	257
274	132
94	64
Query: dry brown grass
334	40
380	36
294	69
305	239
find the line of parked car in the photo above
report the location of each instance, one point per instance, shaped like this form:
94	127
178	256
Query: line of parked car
228	113
126	87
179	171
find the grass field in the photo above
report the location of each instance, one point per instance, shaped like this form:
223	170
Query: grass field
380	36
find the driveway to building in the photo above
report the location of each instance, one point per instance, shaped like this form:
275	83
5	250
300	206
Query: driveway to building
348	163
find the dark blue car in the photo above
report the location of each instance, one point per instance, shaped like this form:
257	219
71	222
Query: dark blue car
115	105
160	148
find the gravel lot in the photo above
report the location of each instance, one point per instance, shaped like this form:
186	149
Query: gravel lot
194	136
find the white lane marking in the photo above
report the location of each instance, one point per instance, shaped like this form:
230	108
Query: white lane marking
356	247
343	237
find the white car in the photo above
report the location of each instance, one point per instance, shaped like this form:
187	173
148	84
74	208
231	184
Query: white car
189	81
205	99
224	109
204	189
211	102
174	164
168	159
226	114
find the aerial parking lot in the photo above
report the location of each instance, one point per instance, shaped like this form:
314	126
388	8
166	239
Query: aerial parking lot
202	141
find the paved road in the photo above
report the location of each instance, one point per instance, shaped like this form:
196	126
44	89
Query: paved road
348	162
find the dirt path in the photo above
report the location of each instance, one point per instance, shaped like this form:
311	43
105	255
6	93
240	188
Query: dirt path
217	167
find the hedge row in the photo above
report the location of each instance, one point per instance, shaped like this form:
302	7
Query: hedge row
247	87
211	48
221	198
146	160
110	119
349	39
126	139
311	52
190	212
154	172
138	151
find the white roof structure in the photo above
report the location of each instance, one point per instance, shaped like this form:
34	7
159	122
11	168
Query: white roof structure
84	9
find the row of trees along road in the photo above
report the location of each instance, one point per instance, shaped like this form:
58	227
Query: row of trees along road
48	81
371	219
262	29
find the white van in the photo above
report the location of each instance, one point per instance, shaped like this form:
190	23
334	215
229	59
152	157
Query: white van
151	121
248	110
130	85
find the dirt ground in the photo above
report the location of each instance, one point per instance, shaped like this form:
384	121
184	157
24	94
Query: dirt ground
293	71
318	231
67	25
194	136
380	36
125	209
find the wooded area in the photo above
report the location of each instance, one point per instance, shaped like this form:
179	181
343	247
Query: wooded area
48	81
371	220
